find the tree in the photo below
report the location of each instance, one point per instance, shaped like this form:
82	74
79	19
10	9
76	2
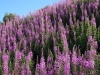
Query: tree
8	17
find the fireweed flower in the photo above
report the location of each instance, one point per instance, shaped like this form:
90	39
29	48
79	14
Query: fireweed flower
18	55
43	66
5	59
37	71
49	66
62	12
66	60
86	18
75	73
49	59
11	48
89	6
68	2
93	52
93	22
85	63
23	72
5	69
85	12
42	43
30	39
59	58
33	33
72	6
59	19
79	59
67	32
82	6
67	69
90	40
29	72
91	64
36	36
50	72
56	67
96	4
95	44
96	7
55	48
82	18
97	1
27	68
70	21
42	29
14	47
5	63
82	74
29	56
74	60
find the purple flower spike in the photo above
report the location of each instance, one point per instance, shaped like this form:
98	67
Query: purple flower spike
90	40
95	44
70	21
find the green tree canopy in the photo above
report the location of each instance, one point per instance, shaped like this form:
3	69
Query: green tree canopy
8	16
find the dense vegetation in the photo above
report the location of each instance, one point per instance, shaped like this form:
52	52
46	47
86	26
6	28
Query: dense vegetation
63	39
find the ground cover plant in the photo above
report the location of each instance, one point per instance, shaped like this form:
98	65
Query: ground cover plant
63	39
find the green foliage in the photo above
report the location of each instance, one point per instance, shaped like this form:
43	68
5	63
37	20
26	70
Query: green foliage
98	35
82	38
8	17
48	46
78	36
31	64
71	40
97	66
60	44
11	61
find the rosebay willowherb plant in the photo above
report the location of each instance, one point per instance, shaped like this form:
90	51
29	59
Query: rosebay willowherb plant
62	39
